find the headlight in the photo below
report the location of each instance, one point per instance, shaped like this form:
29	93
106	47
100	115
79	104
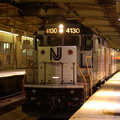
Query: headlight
61	28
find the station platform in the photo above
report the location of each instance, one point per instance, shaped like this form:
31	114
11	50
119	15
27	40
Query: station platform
16	114
11	81
103	104
11	72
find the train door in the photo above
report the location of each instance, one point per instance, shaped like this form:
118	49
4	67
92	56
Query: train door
102	59
107	60
87	45
96	59
86	57
112	61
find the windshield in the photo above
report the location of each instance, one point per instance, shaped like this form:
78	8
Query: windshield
57	40
54	40
71	40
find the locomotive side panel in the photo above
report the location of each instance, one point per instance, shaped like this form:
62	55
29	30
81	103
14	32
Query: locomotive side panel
117	58
107	61
95	60
100	61
113	65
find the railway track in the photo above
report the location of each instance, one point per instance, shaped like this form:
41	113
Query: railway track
10	108
10	102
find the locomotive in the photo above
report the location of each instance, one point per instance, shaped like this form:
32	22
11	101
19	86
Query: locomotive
69	62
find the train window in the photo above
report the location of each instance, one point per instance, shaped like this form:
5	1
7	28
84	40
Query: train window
54	40
39	41
87	43
71	40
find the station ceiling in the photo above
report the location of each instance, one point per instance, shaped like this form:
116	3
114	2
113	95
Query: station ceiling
29	15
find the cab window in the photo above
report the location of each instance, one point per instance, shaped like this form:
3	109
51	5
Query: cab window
87	43
71	40
54	40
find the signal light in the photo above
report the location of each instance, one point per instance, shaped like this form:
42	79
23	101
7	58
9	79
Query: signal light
70	52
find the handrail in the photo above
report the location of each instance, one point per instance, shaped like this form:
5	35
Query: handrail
88	70
23	81
86	89
26	70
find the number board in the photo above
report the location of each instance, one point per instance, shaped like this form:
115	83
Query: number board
67	29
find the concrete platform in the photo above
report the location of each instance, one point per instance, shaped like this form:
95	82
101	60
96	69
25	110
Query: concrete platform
16	114
12	72
11	81
102	105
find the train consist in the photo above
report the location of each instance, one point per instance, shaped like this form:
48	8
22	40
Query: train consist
69	63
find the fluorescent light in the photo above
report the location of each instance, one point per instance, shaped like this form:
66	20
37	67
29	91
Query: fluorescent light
8	33
15	34
27	37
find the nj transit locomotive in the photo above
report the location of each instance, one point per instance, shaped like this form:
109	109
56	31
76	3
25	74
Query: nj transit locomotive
69	60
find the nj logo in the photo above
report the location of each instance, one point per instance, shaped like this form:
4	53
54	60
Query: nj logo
56	55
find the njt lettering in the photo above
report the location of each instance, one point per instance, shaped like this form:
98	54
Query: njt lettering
56	56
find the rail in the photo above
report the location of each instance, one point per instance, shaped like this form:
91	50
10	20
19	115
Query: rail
8	96
11	99
86	88
23	81
88	70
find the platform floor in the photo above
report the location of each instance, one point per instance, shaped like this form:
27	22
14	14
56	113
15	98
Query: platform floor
104	104
12	72
16	114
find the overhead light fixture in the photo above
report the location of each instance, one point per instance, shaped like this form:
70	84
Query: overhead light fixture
8	32
27	37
